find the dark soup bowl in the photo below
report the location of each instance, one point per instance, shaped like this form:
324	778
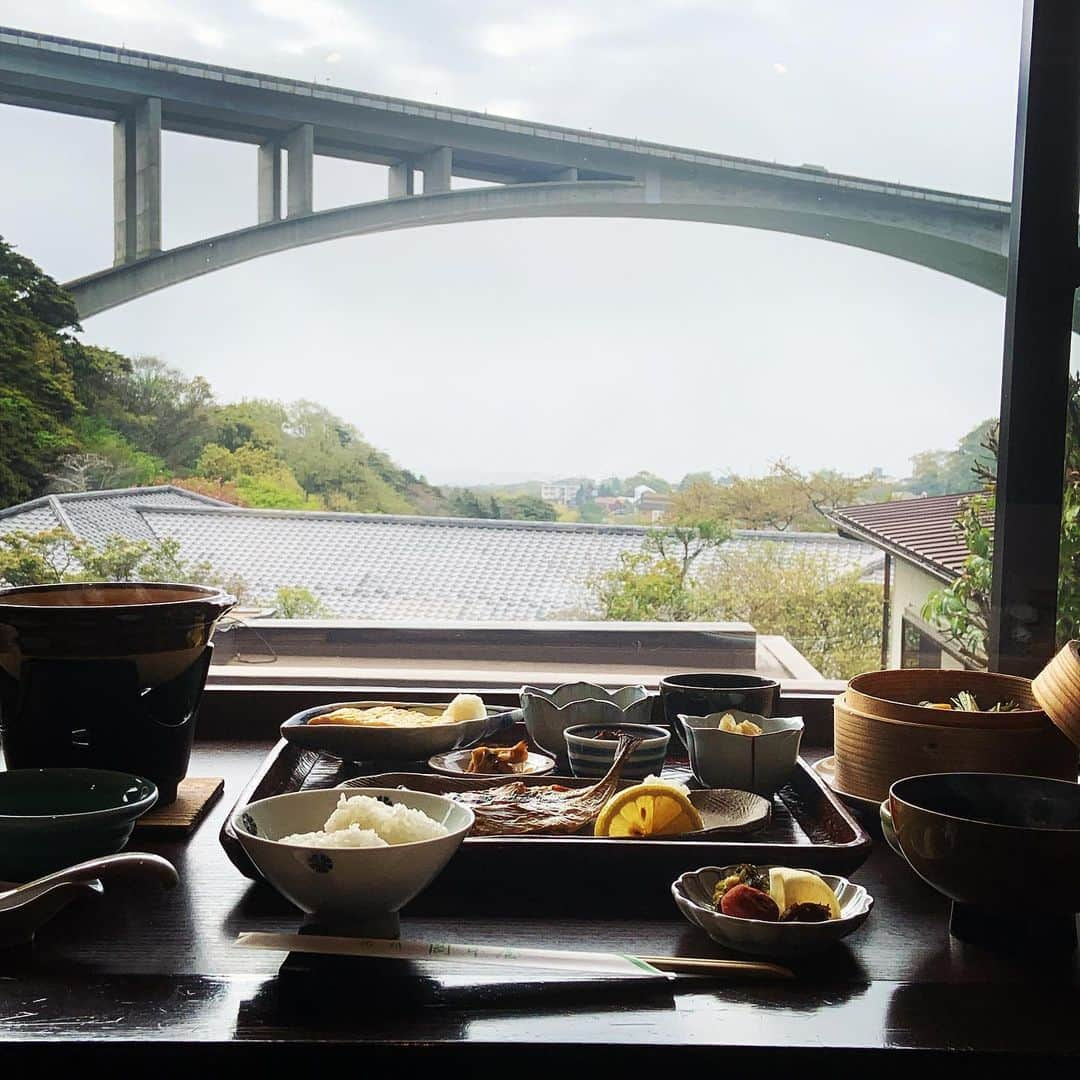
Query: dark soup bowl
52	818
1005	849
105	675
704	693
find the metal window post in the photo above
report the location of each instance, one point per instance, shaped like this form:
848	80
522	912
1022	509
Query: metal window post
1038	315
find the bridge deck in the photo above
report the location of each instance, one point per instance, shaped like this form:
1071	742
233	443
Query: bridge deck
62	75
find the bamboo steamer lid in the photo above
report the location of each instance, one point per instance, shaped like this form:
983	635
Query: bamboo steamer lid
873	752
1057	690
895	695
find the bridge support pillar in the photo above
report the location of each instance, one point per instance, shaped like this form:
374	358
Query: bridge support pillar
137	182
402	180
269	182
300	146
436	167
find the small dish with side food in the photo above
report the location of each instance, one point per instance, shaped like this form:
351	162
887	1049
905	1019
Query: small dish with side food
774	911
516	760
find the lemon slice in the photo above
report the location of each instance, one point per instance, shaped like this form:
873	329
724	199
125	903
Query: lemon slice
788	887
648	810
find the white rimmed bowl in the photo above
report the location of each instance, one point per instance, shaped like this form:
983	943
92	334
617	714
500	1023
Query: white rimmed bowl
693	893
346	884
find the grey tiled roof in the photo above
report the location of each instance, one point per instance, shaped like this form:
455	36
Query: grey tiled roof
97	515
375	566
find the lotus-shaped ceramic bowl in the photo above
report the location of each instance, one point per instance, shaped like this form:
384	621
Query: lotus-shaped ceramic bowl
548	713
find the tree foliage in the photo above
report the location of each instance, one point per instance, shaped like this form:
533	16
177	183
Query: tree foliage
37	390
295	602
961	610
785	499
833	619
948	472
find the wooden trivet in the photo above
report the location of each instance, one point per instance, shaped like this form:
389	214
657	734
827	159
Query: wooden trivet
194	797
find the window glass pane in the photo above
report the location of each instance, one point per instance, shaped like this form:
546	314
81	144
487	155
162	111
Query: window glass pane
470	343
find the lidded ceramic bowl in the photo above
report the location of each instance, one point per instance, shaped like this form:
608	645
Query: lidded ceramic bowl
548	713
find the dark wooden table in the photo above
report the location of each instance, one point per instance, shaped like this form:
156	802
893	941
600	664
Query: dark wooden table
144	974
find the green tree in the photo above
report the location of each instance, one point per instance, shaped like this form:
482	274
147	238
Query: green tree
261	477
592	512
293	602
946	472
961	610
37	389
163	412
55	556
527	508
643	588
466	504
251	422
833	620
657	483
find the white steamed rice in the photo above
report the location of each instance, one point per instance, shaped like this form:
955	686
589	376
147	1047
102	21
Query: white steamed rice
364	822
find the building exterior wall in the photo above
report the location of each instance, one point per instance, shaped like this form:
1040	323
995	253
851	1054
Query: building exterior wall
911	585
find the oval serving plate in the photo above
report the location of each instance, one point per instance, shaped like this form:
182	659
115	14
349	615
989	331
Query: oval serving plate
455	763
725	812
354	742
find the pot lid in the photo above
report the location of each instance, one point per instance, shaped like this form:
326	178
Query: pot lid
1057	690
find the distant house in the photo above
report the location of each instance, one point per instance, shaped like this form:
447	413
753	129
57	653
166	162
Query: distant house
923	552
653	504
390	567
561	494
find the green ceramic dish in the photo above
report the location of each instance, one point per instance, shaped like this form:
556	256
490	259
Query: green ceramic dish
52	818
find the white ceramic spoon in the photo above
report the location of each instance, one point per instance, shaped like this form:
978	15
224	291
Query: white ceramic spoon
25	908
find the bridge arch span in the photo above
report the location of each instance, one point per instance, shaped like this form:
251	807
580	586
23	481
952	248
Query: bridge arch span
976	256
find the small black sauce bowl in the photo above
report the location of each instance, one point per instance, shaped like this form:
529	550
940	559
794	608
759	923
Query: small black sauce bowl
704	693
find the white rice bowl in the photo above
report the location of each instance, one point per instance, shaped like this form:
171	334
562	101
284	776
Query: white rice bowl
366	822
348	856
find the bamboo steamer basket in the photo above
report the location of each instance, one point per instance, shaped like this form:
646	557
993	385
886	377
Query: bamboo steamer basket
889	738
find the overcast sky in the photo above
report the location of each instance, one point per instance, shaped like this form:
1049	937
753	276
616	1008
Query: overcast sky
547	348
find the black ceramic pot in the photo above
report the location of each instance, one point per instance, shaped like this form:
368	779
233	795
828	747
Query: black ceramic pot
105	675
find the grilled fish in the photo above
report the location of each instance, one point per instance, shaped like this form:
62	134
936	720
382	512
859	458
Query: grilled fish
517	808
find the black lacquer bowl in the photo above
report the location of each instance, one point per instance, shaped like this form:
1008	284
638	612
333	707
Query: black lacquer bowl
1004	848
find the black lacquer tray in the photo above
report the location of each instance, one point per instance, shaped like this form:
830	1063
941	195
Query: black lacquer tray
576	876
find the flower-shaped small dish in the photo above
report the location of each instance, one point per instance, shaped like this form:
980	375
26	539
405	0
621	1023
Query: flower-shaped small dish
548	713
344	884
456	763
759	763
592	749
693	893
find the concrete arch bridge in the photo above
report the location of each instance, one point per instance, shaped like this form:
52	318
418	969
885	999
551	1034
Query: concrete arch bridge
534	170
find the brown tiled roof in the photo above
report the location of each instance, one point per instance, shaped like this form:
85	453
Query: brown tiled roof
921	531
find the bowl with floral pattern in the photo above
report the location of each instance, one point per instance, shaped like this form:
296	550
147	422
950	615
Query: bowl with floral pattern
344	884
548	713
